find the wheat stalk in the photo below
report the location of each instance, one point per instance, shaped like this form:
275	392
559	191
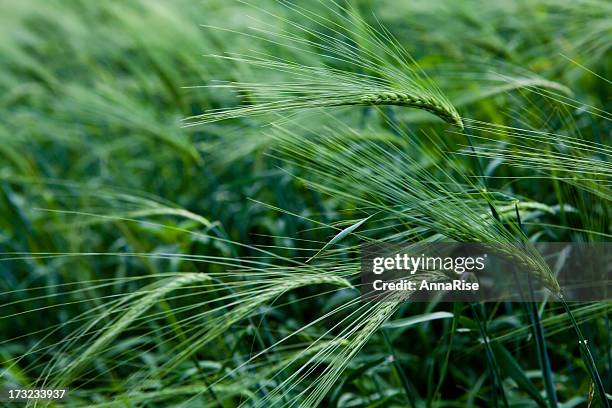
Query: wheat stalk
379	71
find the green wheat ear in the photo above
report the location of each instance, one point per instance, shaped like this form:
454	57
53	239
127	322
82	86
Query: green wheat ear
331	97
370	68
371	97
137	304
444	111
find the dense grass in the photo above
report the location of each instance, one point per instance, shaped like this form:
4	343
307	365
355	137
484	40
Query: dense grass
184	185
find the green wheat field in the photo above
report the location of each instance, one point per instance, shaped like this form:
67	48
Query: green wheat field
185	186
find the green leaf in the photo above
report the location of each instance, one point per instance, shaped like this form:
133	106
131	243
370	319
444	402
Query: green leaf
340	235
355	374
411	321
510	367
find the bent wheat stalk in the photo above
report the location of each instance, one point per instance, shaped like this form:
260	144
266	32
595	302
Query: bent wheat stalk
319	87
373	69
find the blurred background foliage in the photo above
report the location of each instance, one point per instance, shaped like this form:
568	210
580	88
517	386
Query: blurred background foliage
100	182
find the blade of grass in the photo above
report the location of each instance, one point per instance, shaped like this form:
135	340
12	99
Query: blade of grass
443	368
538	334
340	235
587	357
498	387
408	389
509	366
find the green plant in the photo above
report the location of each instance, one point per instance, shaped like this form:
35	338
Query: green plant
147	259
